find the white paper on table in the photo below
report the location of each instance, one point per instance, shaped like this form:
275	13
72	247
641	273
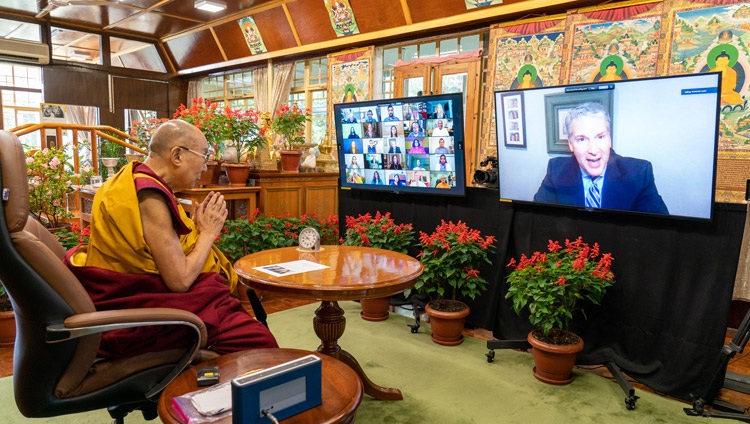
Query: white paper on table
290	268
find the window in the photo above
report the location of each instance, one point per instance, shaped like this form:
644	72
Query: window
21	100
76	46
309	90
235	89
133	54
420	49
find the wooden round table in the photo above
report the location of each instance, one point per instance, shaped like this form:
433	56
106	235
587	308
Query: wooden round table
341	391
352	273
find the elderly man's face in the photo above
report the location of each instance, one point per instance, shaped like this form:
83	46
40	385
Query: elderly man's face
440	124
590	142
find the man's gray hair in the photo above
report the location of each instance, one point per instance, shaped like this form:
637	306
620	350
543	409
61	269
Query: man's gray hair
592	109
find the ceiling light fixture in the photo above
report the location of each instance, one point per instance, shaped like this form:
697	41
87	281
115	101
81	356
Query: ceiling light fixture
210	5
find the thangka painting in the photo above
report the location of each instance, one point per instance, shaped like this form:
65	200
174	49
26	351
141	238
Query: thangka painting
252	35
473	4
524	55
350	73
614	44
709	38
350	78
342	17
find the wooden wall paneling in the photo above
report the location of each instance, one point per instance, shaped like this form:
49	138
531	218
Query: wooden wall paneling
194	49
422	11
275	29
278	201
59	82
322	200
311	19
389	14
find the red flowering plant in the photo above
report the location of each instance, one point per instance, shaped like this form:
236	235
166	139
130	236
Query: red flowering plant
143	130
208	117
289	124
550	284
241	127
73	236
379	231
254	233
451	256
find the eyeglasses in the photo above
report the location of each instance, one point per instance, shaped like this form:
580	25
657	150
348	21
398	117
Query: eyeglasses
205	156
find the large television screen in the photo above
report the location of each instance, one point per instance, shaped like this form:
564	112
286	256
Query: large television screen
643	146
404	145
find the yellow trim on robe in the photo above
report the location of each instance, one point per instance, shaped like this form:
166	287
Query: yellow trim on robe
117	241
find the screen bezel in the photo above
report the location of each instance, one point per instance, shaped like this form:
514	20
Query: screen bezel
505	146
457	118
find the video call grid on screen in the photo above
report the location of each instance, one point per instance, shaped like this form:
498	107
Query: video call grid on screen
672	122
409	144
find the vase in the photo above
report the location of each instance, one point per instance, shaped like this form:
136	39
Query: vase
375	309
237	173
553	364
447	327
207	177
290	160
7	328
110	164
134	157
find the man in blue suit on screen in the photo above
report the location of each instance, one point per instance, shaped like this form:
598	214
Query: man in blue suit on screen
595	176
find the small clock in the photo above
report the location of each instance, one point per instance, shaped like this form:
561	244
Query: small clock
309	239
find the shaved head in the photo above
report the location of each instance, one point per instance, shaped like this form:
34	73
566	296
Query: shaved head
175	132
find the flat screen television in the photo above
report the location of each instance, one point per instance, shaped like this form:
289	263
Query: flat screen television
652	141
404	145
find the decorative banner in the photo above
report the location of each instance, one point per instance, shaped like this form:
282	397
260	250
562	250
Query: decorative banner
252	35
351	74
614	44
342	17
350	81
525	55
711	39
473	4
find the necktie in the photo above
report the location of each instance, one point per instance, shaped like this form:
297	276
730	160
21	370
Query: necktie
593	196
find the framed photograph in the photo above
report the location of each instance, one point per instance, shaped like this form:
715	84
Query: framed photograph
557	107
513	120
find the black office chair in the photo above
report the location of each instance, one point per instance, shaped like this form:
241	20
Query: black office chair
55	366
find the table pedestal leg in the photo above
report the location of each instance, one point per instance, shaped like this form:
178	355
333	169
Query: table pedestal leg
329	324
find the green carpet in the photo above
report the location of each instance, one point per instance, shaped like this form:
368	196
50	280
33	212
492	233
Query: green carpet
442	384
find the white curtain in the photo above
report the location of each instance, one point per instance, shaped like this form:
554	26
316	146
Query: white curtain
83	115
260	81
282	84
194	91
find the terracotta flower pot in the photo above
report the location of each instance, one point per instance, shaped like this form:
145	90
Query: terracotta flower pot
208	176
237	173
7	328
290	160
553	364
447	327
375	309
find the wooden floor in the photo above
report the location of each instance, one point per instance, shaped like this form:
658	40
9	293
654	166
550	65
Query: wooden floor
273	303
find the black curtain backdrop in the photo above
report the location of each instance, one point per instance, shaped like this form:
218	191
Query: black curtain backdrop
664	320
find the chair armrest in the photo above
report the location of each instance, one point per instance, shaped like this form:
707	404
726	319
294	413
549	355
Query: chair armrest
98	322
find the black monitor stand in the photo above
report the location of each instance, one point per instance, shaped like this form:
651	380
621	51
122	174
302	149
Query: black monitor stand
722	378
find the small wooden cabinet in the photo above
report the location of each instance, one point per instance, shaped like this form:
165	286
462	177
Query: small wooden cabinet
298	193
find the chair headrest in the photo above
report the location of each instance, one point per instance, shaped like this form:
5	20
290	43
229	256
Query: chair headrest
15	182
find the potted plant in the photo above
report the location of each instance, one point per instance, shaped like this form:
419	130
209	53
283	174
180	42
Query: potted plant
73	236
289	125
207	117
550	285
111	157
142	131
382	232
242	129
50	180
451	257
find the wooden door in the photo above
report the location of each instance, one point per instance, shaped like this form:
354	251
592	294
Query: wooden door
459	75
